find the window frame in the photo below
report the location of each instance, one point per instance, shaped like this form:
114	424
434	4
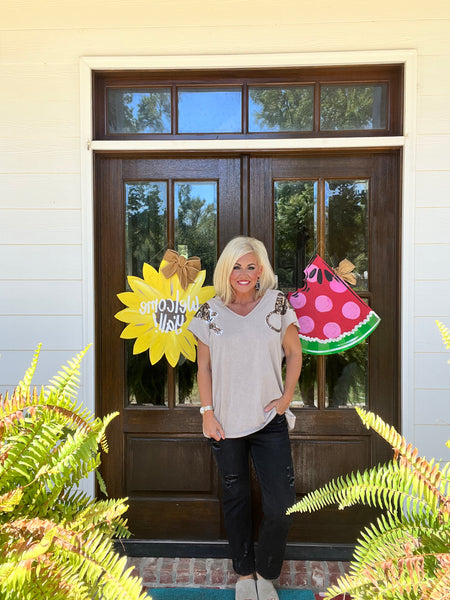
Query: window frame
392	75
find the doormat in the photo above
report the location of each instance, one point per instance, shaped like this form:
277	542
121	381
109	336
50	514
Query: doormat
218	594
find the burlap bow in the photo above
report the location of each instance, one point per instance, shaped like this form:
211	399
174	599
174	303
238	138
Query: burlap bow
344	271
187	269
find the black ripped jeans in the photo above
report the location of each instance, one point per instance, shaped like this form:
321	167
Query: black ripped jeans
271	455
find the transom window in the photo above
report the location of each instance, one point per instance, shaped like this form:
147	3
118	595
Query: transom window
235	104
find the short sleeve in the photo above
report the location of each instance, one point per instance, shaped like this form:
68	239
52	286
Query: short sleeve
288	316
200	323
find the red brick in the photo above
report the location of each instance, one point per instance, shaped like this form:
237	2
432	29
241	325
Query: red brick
136	564
285	579
183	571
150	573
166	572
318	575
217	572
335	567
346	566
199	575
302	577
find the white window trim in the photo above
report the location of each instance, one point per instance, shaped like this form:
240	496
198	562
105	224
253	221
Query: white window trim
407	142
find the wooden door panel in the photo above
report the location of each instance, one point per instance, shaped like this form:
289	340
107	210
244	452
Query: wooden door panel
158	457
320	459
150	465
175	518
330	442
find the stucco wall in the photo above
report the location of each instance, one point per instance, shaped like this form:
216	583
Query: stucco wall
44	269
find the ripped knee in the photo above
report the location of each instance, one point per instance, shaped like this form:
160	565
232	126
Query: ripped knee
230	480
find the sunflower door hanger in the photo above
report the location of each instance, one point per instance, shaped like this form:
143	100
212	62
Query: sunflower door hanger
161	306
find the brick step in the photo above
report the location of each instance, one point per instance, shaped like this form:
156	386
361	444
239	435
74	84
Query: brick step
212	572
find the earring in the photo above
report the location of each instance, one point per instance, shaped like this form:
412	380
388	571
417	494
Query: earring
257	285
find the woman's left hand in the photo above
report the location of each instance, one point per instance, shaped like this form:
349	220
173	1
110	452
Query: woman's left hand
280	405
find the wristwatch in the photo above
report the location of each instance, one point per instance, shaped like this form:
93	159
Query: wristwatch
203	409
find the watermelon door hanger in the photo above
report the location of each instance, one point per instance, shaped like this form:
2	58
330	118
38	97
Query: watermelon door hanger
331	316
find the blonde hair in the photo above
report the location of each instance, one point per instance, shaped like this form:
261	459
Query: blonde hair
236	248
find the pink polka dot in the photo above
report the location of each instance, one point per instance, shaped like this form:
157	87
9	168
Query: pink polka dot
337	286
324	303
298	300
351	310
306	324
331	330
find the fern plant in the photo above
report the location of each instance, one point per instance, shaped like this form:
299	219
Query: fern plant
445	332
56	541
406	553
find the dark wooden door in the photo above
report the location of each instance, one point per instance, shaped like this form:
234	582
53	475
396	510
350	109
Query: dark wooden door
343	206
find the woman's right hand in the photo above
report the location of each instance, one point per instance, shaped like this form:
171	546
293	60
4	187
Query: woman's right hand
211	426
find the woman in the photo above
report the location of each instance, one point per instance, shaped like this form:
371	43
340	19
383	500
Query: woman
243	334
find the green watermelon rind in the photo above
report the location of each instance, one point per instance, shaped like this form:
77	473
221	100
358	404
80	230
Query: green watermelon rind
345	342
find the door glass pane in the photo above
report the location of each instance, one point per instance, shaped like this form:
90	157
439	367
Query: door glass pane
306	393
145	241
347	226
347	107
145	224
288	108
195	235
295	209
347	377
139	111
209	110
295	213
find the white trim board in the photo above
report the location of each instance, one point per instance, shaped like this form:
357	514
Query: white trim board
407	57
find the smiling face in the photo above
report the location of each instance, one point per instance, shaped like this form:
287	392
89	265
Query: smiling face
244	276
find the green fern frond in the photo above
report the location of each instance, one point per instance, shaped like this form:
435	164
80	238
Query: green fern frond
386	486
107	515
427	475
10	500
25	383
100	571
405	554
440	586
445	332
405	576
56	541
66	382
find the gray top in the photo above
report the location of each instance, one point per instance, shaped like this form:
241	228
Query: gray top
246	356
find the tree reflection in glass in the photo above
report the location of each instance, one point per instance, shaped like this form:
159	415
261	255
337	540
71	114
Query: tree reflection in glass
347	225
349	107
145	241
347	377
295	210
139	111
289	108
347	236
195	235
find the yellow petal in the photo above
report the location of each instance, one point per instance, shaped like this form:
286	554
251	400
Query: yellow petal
129	299
131	315
157	349
144	341
187	345
172	349
133	331
151	275
143	289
